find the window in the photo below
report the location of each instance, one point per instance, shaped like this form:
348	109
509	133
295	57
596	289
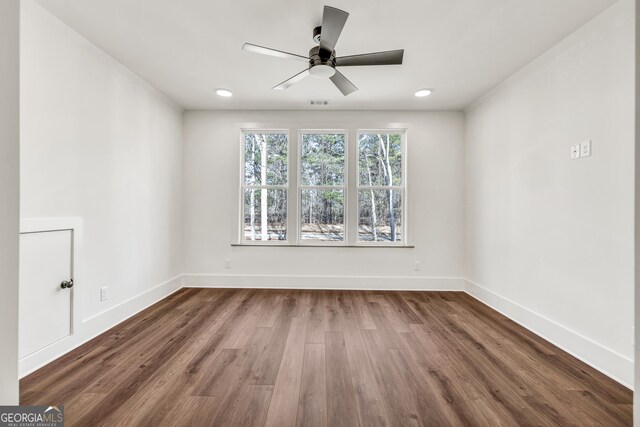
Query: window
344	191
265	185
380	186
322	191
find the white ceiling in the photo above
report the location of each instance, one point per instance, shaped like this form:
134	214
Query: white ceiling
460	48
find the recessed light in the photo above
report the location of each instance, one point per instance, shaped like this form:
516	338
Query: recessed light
420	93
224	92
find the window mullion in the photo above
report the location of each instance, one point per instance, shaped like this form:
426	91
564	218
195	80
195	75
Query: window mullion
351	196
293	192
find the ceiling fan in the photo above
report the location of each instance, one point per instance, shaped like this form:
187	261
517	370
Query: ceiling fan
322	60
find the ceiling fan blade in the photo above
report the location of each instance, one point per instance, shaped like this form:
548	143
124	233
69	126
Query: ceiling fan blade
273	52
342	83
295	79
333	21
390	57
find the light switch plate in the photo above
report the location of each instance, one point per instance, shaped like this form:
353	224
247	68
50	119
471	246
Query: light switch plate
575	151
585	148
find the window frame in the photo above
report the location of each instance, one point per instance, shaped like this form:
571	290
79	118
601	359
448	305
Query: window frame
300	187
351	187
244	186
402	188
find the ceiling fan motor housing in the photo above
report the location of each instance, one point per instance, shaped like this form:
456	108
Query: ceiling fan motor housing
321	67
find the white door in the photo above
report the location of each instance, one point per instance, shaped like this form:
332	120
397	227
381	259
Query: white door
45	304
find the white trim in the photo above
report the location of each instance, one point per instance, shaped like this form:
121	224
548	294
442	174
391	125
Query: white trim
36	225
391	283
605	360
265	187
263	243
98	324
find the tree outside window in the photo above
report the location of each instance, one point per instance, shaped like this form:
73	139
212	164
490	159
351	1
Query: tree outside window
380	187
265	185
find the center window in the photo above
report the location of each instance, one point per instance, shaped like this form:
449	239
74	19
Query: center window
322	190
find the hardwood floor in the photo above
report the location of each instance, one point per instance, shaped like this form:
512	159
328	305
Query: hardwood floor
324	358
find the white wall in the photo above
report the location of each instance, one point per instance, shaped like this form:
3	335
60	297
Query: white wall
211	198
100	143
9	196
550	240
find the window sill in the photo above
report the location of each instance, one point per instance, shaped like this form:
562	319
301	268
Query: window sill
287	245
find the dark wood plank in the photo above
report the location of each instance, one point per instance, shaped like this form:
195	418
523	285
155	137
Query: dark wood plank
265	370
315	328
82	362
284	400
431	409
371	411
361	309
312	405
397	398
386	326
331	315
401	309
153	404
122	391
463	393
251	407
341	404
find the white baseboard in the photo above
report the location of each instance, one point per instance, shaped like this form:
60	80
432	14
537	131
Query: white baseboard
95	325
398	283
605	360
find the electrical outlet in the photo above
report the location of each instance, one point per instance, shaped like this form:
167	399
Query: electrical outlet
227	263
585	148
575	152
103	293
417	266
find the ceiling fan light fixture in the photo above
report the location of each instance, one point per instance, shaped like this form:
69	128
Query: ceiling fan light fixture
225	93
322	71
421	93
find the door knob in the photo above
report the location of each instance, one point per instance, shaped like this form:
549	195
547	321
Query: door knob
67	284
